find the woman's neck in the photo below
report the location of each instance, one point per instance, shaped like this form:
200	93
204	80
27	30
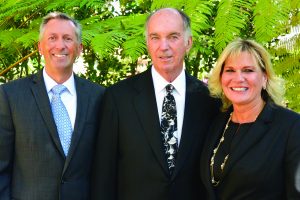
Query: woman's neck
247	113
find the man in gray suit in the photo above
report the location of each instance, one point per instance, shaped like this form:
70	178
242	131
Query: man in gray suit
39	159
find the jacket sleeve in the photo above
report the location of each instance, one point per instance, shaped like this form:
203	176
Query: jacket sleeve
6	146
104	169
292	161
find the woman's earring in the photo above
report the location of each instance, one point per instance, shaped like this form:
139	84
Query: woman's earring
265	84
264	87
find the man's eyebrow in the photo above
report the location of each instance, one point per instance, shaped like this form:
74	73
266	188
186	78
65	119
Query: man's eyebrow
175	33
153	34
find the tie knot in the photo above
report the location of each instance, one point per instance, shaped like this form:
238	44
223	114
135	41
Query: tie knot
58	89
169	88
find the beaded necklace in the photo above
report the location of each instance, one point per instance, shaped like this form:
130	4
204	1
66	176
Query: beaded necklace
212	160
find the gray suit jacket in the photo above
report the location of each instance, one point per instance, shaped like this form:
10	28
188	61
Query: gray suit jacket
130	163
32	163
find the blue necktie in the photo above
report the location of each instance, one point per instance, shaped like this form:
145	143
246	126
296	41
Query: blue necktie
61	117
169	127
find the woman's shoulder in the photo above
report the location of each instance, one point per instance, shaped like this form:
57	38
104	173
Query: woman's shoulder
285	113
284	117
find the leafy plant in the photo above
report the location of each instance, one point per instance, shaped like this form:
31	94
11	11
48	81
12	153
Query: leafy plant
114	45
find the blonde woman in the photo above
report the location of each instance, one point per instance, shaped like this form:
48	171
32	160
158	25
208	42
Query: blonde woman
253	147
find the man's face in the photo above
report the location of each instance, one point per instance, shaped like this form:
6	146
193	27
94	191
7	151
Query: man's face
166	43
59	46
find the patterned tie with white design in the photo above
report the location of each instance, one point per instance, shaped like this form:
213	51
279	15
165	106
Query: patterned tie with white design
169	127
61	118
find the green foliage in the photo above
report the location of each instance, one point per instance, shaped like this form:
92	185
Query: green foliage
267	24
230	20
114	41
287	63
134	46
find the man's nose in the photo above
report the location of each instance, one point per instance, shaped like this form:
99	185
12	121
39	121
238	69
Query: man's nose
164	44
60	43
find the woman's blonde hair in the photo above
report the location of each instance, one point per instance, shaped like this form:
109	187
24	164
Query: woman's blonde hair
274	90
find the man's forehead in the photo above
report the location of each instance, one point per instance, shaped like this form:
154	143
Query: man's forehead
52	26
165	29
60	21
166	15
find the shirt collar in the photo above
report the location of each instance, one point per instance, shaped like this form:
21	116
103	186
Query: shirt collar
160	83
50	83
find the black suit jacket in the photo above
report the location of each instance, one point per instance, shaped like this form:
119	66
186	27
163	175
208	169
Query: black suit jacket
32	163
130	163
265	164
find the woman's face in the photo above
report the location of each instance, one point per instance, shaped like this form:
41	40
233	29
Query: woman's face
242	80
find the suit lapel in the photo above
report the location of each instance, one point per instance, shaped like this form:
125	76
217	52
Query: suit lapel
43	103
146	108
82	109
41	97
254	135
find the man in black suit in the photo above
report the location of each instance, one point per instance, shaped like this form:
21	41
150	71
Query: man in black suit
131	161
37	160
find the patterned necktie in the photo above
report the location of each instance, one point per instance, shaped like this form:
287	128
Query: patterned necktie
169	127
61	118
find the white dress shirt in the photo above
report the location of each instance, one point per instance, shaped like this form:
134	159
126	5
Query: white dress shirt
69	97
179	94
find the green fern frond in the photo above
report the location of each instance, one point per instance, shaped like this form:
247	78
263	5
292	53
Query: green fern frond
94	26
111	24
6	54
19	9
35	24
134	47
269	17
92	3
156	4
134	22
287	60
78	4
7	23
10	36
199	12
6	5
231	18
287	65
179	4
88	36
292	93
29	39
55	6
106	44
107	35
20	14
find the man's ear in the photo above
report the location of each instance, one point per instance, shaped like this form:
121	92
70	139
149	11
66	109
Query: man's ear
40	49
80	49
189	44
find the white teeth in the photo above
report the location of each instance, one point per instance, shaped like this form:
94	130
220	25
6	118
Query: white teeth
239	89
59	55
165	56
